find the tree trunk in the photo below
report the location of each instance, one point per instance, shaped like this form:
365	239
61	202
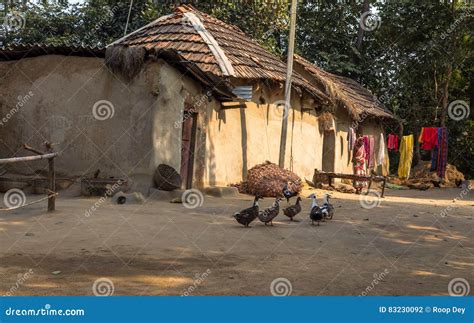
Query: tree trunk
471	86
444	108
417	147
360	33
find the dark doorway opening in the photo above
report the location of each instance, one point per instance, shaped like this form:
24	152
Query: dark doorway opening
188	143
329	144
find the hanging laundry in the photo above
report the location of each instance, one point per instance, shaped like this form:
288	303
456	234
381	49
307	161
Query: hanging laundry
442	152
381	155
434	160
386	168
371	152
392	142
351	138
428	138
406	156
434	155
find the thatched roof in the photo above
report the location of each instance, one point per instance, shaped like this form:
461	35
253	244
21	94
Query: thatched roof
345	92
212	49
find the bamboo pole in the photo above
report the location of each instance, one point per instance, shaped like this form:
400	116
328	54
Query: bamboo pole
289	72
27	158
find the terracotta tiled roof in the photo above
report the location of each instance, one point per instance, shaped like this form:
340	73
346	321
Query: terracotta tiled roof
346	92
247	58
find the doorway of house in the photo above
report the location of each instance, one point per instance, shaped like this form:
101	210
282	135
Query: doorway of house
188	143
329	149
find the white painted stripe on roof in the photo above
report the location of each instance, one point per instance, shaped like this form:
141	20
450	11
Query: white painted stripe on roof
140	29
224	63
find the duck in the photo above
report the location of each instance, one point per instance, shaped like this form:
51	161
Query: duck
246	216
327	208
287	192
267	215
316	213
293	210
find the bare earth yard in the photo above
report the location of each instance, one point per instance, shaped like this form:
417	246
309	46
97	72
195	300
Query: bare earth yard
160	248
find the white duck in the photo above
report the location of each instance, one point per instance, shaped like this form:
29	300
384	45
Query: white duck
315	214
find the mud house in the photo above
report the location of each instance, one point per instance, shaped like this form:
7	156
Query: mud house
186	90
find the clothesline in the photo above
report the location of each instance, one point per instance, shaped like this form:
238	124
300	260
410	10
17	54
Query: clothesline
431	138
362	150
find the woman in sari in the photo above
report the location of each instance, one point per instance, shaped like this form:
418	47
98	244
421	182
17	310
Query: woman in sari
358	160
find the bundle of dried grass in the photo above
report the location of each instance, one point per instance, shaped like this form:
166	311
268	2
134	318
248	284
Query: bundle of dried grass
421	175
268	180
325	121
125	61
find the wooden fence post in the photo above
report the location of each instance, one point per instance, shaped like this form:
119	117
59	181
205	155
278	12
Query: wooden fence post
51	179
52	185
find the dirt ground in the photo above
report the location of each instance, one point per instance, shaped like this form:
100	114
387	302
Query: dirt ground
405	246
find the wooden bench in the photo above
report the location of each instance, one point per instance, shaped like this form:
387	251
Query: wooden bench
373	178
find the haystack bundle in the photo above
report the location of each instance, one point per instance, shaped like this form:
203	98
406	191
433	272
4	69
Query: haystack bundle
268	180
125	61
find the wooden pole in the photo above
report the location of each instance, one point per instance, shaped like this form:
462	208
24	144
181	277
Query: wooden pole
52	186
289	72
36	151
51	180
27	158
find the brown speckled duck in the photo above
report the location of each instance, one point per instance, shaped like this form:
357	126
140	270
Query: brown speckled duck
246	216
267	215
293	210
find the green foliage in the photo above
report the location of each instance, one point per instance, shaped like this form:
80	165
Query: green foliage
99	22
326	33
